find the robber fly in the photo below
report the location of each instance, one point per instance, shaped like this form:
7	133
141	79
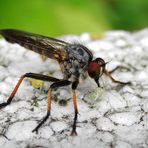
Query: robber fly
75	60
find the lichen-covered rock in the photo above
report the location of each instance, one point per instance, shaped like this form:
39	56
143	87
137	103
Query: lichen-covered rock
113	116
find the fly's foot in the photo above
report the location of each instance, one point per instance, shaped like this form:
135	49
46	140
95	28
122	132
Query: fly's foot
126	83
2	105
73	133
41	123
35	130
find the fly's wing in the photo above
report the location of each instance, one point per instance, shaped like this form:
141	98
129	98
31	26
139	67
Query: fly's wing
46	46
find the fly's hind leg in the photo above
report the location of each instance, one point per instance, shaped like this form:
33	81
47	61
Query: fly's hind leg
27	75
57	83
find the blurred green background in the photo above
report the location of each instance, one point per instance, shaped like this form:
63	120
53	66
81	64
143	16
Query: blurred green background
60	17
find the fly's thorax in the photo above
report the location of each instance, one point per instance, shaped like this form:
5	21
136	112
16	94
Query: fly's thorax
77	62
73	68
79	52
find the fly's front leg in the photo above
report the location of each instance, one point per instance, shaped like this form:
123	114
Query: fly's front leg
113	80
118	67
29	75
54	85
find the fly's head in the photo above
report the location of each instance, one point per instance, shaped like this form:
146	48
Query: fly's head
96	68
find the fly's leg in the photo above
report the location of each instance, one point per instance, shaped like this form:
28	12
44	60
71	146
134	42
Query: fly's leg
54	85
48	113
74	86
29	75
113	80
118	67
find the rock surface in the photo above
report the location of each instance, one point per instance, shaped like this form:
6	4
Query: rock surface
110	117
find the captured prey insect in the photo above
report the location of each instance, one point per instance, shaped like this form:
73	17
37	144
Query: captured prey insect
75	60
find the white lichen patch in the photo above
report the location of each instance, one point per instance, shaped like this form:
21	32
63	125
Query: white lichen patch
125	118
20	131
105	124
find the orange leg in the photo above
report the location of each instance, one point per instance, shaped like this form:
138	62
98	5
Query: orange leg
13	93
48	113
58	83
54	85
74	86
113	80
49	101
118	67
30	75
73	133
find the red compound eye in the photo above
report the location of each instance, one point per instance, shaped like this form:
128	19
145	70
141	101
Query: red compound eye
93	68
